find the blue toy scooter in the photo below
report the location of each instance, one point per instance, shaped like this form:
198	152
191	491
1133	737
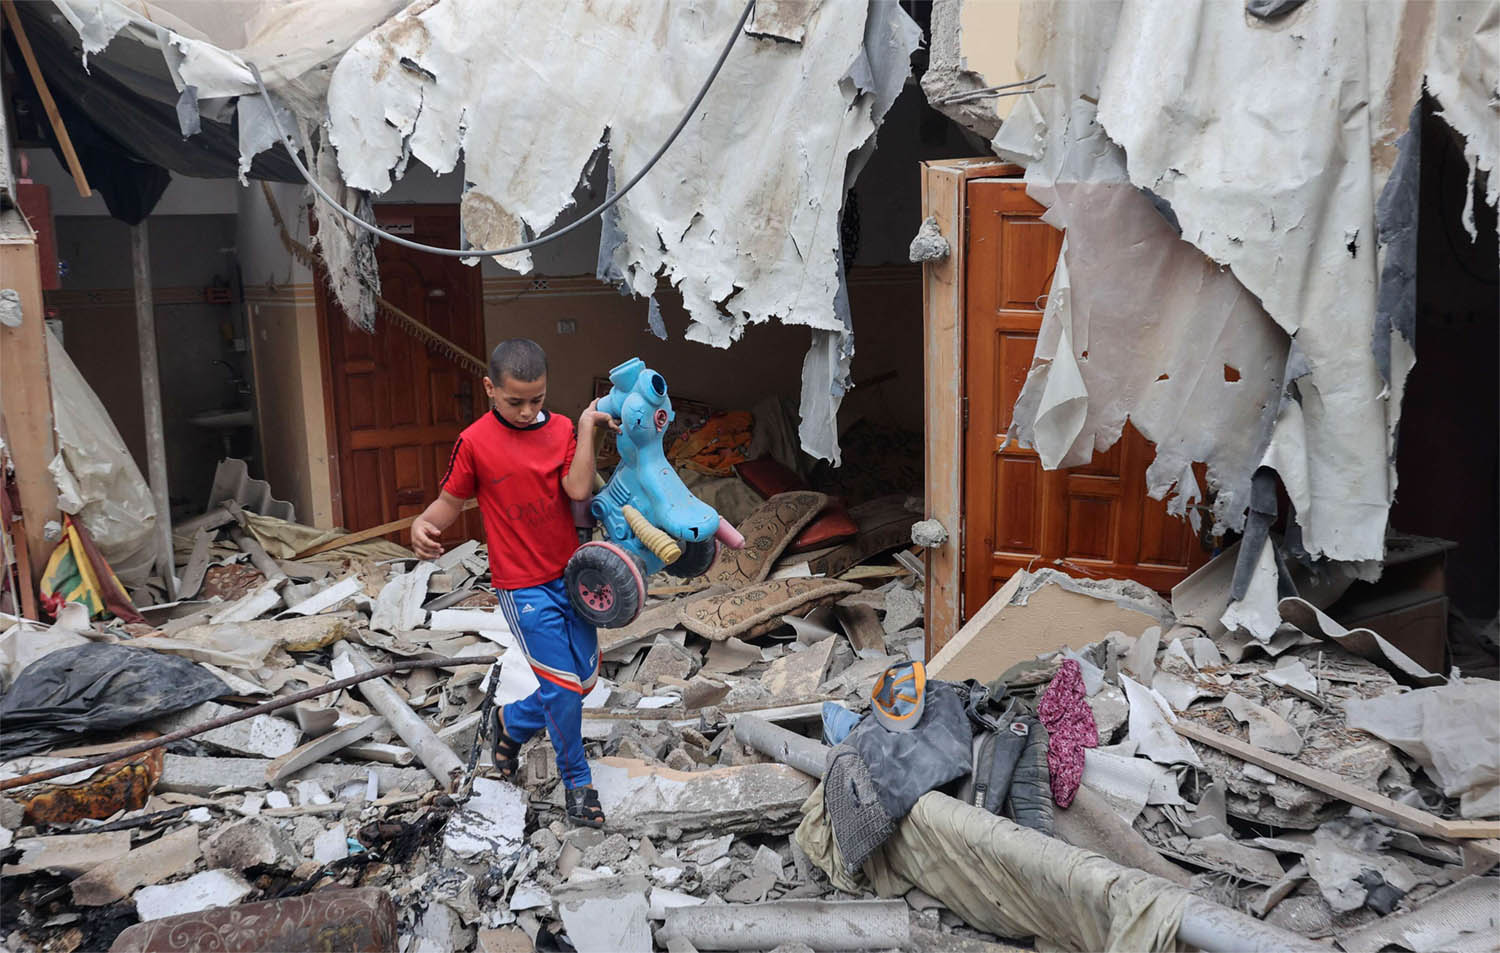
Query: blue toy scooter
650	519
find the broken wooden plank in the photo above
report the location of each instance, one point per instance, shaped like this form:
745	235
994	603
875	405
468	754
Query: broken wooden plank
49	105
364	535
1404	816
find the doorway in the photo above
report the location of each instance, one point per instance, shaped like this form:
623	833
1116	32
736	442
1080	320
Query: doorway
397	406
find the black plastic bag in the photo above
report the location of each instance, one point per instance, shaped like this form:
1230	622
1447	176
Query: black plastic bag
98	687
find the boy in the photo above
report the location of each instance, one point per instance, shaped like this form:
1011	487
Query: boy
525	464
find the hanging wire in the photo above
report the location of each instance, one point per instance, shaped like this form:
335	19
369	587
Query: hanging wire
603	207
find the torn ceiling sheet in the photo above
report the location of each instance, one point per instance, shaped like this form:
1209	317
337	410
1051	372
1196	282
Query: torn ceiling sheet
1299	362
1139	323
741	214
206	45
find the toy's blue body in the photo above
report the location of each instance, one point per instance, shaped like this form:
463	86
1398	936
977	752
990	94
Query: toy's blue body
645	479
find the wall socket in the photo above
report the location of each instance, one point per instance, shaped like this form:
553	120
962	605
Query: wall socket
567	326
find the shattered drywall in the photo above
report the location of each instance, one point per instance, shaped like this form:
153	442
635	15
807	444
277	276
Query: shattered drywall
741	214
1268	146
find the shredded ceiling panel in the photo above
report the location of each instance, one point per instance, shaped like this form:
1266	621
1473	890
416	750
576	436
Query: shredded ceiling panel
1267	145
741	215
1140	324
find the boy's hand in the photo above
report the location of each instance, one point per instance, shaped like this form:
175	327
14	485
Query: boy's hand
592	417
424	539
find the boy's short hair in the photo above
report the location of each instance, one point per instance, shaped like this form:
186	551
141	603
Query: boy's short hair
519	359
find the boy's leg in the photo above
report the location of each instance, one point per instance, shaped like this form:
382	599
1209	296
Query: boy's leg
557	645
567	730
522	719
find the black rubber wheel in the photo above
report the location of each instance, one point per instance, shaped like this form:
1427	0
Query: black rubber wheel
695	559
605	585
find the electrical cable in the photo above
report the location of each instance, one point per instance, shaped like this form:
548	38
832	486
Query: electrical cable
603	207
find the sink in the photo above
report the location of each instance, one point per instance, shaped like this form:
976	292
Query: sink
221	419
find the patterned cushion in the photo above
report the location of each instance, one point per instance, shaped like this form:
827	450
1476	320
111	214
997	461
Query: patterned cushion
758	609
768	532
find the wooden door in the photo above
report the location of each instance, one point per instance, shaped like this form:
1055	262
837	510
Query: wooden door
1094	520
398	407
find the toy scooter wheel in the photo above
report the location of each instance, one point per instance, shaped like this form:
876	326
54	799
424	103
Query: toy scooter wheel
695	560
605	585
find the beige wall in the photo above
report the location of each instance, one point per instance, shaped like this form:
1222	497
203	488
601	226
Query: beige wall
885	302
289	400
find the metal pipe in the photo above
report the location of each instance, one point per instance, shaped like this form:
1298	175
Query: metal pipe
439	759
806	755
261	709
1205	925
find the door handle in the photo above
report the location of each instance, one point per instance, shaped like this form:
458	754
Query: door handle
410	496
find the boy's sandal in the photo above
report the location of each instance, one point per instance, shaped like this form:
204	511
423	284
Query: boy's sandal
503	749
584	807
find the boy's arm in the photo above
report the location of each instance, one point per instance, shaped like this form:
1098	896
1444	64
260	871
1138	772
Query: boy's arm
428	527
578	482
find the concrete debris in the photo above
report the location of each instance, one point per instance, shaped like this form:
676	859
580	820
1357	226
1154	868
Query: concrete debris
346	788
492	821
253	842
606	916
212	888
928	245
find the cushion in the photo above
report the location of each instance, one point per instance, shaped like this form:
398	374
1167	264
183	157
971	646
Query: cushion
768	477
883	524
758	609
768	532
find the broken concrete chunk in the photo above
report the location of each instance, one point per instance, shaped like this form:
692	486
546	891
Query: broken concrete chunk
251	843
67	854
798	675
903	609
113	880
493	820
752	889
610	915
651	800
666	660
263	735
331	845
1268	730
212	888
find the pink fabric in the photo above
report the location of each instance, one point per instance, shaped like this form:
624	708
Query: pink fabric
1069	720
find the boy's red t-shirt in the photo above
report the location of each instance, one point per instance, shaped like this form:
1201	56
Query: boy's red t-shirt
517	475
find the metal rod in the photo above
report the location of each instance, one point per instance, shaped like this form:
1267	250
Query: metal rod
261	709
156	440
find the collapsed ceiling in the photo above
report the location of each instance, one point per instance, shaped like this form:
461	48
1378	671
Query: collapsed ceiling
741	215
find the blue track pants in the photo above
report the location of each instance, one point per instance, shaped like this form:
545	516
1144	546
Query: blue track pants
563	651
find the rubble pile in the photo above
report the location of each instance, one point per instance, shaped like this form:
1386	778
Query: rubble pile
1200	756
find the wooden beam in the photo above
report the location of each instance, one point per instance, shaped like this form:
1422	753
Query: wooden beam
384	529
944	184
156	440
26	387
48	103
1404	816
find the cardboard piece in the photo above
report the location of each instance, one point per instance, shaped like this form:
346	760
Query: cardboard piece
1002	634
